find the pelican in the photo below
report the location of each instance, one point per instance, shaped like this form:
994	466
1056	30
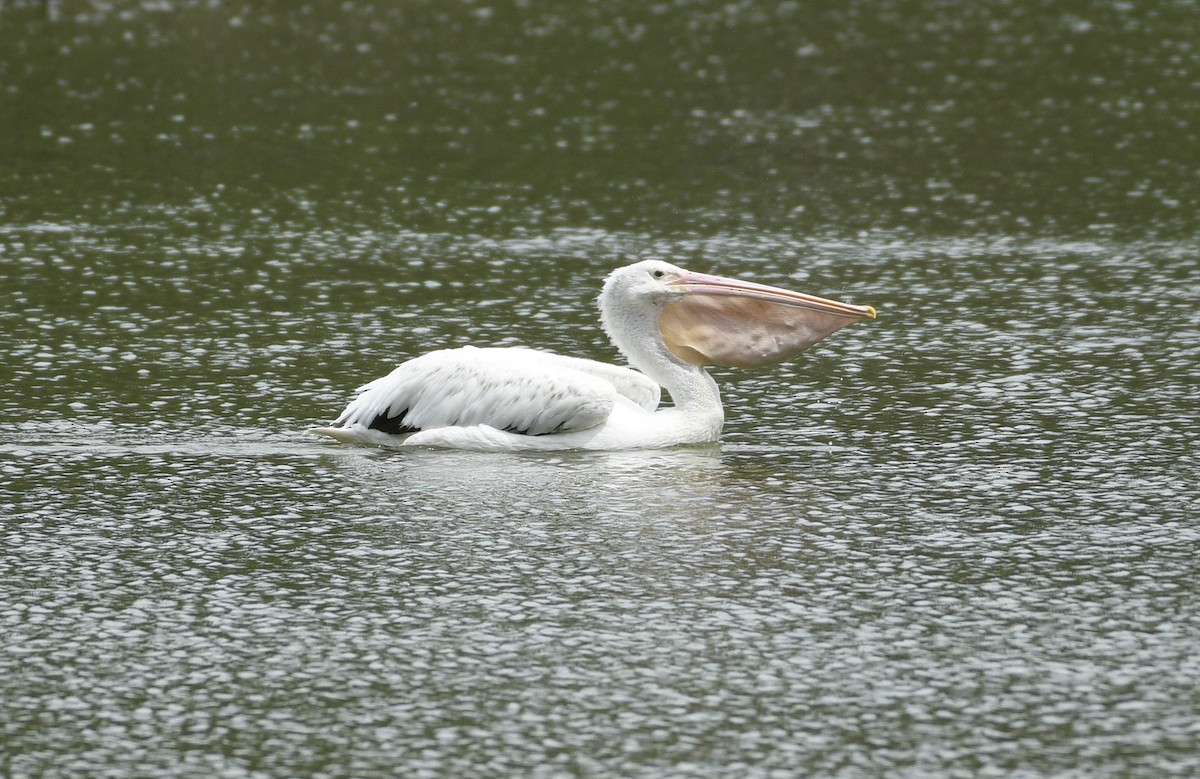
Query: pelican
668	322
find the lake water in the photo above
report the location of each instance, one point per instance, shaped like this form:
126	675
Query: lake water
960	540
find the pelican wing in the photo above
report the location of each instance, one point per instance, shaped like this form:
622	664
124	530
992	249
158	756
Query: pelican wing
638	387
518	390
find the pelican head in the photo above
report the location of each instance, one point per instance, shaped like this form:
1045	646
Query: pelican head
712	320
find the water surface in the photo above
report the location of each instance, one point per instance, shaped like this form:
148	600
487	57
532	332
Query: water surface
960	540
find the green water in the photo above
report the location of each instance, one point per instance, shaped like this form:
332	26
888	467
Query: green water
960	540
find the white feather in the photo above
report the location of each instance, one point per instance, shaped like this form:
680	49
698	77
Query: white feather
517	390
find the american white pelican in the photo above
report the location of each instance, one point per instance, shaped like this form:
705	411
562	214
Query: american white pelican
669	323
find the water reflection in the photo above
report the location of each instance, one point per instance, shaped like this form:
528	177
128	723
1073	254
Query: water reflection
485	608
670	486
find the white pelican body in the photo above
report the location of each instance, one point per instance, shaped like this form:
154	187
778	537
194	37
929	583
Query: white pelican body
668	322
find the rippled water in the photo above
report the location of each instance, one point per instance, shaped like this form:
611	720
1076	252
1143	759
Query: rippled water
960	540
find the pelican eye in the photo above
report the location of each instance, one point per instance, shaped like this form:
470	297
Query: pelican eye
658	274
